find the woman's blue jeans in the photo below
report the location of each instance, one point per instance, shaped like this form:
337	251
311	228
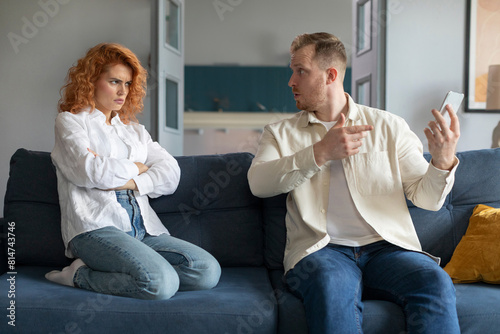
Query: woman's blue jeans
139	265
332	281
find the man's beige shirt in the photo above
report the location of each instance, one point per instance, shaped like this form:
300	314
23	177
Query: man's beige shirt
389	165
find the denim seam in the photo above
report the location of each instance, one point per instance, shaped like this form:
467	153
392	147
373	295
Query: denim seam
357	315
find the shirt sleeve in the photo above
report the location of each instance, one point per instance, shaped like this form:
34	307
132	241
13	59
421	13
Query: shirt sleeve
271	173
163	175
81	167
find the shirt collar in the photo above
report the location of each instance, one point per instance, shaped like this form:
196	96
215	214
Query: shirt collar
353	113
97	114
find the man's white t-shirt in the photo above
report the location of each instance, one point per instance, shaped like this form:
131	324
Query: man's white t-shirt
345	225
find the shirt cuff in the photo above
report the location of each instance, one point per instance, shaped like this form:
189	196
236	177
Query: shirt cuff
144	184
306	162
444	173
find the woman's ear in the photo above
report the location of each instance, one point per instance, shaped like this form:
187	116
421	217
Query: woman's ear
332	75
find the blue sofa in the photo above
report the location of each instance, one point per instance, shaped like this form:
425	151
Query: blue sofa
213	208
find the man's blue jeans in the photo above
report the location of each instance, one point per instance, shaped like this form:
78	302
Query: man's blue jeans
139	265
332	281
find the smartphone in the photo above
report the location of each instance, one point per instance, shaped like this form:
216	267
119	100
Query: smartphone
453	98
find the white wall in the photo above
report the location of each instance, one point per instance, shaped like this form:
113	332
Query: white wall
253	32
258	32
425	59
32	76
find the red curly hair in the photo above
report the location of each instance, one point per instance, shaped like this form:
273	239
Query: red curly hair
78	92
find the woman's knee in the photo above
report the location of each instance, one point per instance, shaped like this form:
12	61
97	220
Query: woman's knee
159	283
210	274
200	274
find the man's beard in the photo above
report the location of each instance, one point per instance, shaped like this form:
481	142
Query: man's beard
316	98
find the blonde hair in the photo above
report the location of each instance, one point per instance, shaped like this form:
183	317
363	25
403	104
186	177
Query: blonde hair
329	50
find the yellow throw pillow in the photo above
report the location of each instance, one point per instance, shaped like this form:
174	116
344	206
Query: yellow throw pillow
477	256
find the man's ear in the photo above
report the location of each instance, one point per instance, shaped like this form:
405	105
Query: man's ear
332	75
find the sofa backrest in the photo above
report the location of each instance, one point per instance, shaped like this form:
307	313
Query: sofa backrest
32	203
212	207
477	181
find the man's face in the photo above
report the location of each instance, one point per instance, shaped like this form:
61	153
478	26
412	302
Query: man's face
308	81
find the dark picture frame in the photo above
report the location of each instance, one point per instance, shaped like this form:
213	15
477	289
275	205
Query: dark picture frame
476	63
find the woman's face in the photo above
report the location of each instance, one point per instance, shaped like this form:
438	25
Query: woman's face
112	87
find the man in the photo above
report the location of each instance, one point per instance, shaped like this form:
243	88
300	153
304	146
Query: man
346	169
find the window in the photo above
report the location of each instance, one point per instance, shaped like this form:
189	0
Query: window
171	105
363	23
363	91
172	24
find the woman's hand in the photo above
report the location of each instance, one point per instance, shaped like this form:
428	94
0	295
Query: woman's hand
95	154
142	167
130	185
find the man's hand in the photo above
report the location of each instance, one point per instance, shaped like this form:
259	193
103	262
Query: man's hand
340	142
443	139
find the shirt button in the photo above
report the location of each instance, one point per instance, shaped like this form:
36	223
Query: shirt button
323	210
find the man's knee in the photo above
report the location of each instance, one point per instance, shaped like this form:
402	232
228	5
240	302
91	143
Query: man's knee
332	280
441	284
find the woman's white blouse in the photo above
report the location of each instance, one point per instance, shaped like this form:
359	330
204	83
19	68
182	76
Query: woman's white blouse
83	179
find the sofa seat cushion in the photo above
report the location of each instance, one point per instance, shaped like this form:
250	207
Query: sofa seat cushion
243	301
477	307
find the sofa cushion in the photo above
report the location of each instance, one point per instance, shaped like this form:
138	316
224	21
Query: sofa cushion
273	215
476	181
214	208
32	204
242	302
476	257
477	308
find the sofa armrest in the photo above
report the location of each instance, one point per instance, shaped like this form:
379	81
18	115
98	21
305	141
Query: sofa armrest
3	246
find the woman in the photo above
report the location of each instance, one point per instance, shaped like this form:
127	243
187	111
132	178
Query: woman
107	166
